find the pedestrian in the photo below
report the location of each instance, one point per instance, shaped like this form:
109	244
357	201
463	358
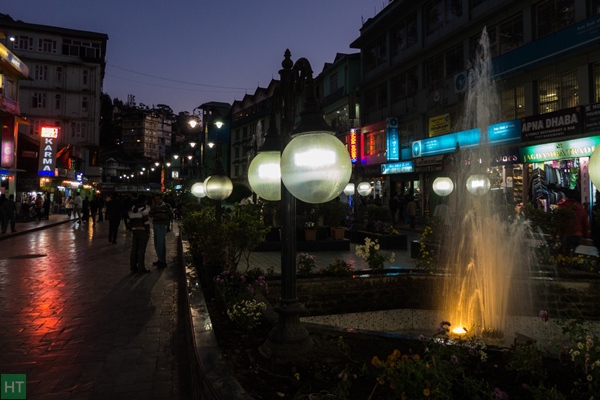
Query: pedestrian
94	209
573	220
101	204
162	215
77	206
114	212
411	211
39	207
2	200
9	214
85	210
47	206
140	228
394	203
69	204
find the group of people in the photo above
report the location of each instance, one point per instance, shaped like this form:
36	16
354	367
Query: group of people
403	209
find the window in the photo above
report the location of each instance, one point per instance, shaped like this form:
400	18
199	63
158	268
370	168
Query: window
58	101
59	74
553	15
374	143
454	60
80	48
41	72
375	54
512	103
407	132
85	103
85	77
376	98
78	129
23	43
558	91
38	100
47	46
439	13
404	35
475	3
596	79
333	83
434	70
503	37
404	85
593	7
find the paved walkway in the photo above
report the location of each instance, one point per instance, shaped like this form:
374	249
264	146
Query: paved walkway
81	326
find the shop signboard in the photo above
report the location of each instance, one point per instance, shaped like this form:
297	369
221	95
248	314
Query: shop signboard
591	118
439	125
392	139
397	168
429	164
575	148
8	142
557	124
48	143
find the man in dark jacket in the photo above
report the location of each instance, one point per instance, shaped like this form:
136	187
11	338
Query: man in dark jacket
162	215
9	214
114	211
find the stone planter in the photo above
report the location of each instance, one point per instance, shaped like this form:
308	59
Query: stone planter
338	233
310	235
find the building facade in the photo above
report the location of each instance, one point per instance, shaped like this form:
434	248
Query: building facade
67	70
415	60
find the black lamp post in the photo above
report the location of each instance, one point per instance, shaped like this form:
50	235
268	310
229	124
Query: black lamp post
314	166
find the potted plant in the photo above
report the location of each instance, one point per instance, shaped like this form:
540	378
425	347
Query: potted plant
335	213
307	219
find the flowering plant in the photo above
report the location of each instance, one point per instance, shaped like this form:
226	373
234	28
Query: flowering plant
339	267
233	286
246	313
371	254
306	263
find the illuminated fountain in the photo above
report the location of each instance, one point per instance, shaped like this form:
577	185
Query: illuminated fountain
487	257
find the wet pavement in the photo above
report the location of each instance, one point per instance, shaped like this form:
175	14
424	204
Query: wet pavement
79	324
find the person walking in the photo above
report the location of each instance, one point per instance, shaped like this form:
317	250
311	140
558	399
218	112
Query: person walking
114	212
394	204
574	220
85	210
77	206
101	204
140	228
162	215
9	214
69	204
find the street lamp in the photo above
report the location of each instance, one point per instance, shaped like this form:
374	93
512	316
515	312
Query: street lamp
315	166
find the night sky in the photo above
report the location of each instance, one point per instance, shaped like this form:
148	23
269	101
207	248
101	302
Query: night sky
187	52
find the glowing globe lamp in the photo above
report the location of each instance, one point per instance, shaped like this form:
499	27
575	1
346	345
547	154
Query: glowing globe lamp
478	184
264	175
594	167
315	167
364	188
198	189
349	189
443	186
218	187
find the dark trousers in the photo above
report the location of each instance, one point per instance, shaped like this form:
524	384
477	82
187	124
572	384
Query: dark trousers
138	250
113	229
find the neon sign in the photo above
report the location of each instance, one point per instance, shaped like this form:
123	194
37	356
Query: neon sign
49	132
353	145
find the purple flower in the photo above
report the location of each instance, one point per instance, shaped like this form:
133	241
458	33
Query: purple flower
543	314
500	395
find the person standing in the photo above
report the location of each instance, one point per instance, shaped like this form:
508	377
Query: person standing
162	215
85	210
574	221
411	211
114	211
47	206
9	214
69	204
394	203
94	209
101	204
140	228
78	206
39	207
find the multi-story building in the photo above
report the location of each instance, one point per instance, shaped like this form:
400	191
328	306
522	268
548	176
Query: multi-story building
145	133
416	57
12	71
67	71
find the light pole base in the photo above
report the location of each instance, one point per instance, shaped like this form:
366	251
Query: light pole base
289	338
